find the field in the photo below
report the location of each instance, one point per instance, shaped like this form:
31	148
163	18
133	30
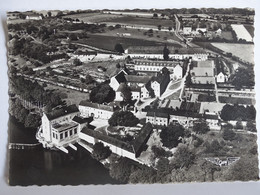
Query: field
243	51
109	42
250	29
93	17
127	20
242	32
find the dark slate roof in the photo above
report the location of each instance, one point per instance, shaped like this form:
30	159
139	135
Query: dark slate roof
96	105
142	137
158	114
108	139
137	79
81	120
120	77
62	112
160	78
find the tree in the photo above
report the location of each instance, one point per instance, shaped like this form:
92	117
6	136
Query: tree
155	15
250	125
165	71
32	120
243	77
245	169
200	126
100	152
123	118
77	62
126	93
171	135
160	152
183	157
102	93
143	174
89	79
121	170
166	53
228	134
119	48
49	14
188	81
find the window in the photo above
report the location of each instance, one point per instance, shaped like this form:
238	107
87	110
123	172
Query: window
53	135
71	132
61	136
75	131
66	134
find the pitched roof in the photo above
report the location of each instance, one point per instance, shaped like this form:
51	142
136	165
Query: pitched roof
142	138
158	114
120	77
62	112
108	139
81	120
137	79
96	105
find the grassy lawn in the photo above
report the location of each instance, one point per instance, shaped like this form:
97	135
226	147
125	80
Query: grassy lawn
108	42
227	35
93	17
245	51
128	20
175	96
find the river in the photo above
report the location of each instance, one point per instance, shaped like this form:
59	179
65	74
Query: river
47	167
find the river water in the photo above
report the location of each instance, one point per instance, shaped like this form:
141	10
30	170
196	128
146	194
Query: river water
46	167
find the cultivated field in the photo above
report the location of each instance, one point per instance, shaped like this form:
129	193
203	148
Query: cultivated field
242	32
243	51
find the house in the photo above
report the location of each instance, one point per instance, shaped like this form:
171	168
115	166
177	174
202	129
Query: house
131	150
154	65
187	30
117	79
95	110
60	128
144	92
221	78
177	73
212	120
218	32
201	30
159	84
33	17
157	118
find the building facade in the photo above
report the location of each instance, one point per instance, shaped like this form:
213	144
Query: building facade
97	111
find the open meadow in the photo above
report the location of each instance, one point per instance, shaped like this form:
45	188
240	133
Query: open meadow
243	51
